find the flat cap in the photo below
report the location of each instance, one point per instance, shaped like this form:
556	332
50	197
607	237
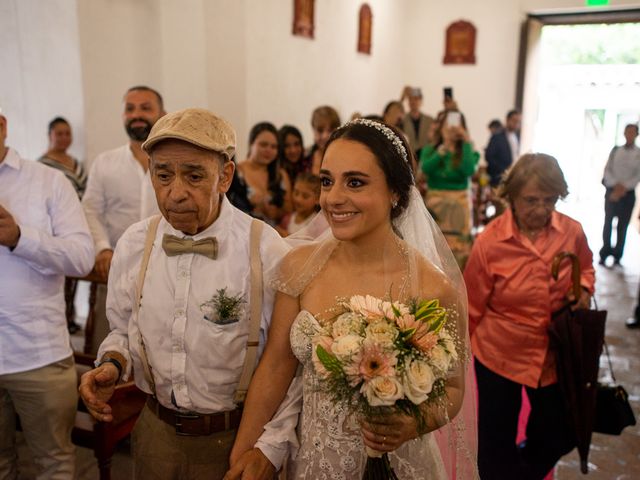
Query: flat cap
197	126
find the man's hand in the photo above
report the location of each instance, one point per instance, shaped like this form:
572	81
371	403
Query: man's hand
618	192
9	230
252	465
103	263
96	388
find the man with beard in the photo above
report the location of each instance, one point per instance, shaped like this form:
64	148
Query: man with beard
119	191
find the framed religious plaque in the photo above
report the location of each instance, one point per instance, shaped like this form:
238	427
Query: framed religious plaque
303	18
460	45
365	23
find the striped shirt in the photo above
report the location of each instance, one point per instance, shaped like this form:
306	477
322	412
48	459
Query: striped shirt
77	176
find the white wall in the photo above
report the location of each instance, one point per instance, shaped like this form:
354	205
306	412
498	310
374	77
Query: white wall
238	58
40	72
487	89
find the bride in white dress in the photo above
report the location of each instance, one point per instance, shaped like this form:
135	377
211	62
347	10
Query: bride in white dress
382	243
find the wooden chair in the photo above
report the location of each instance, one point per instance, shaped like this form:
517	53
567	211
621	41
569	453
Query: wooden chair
126	403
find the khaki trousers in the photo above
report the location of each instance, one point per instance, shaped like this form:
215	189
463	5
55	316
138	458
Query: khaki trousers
45	399
159	453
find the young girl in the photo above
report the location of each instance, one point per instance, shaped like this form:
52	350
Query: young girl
306	197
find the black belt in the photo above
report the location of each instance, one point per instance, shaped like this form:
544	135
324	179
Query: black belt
196	424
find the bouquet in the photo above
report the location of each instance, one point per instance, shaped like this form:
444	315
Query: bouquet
380	357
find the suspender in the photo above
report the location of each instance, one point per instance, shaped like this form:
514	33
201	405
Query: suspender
256	312
148	246
255	307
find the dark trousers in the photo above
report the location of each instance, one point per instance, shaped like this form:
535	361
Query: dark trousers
549	435
622	210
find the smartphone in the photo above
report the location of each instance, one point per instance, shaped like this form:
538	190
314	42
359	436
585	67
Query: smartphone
453	119
448	93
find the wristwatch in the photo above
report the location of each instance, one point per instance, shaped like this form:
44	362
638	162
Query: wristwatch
115	362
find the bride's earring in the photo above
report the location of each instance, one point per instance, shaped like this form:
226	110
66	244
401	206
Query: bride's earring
394	203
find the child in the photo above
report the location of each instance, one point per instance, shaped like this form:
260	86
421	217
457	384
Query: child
324	120
306	197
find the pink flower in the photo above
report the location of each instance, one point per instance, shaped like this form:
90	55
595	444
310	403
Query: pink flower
375	362
407	322
368	307
423	339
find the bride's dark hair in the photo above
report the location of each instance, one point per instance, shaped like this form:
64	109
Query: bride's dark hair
397	169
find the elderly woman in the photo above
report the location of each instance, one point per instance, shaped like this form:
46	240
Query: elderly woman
510	307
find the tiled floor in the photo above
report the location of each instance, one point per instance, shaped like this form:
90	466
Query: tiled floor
611	457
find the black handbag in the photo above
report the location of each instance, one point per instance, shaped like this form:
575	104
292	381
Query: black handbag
613	412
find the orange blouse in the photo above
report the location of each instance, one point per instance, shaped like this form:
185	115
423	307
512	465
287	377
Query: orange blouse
512	295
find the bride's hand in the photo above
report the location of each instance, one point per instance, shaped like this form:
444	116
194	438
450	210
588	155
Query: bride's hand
387	432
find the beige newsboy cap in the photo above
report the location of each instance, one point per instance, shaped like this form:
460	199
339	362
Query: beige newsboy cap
197	126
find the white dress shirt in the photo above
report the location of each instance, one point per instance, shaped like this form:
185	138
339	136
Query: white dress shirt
54	242
623	167
196	363
119	193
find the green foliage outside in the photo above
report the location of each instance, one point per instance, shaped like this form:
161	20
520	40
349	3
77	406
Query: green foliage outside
592	44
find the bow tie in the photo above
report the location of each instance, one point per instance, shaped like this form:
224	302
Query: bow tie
173	245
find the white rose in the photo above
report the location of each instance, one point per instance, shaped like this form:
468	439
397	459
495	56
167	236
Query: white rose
347	324
382	391
417	381
439	358
382	333
344	348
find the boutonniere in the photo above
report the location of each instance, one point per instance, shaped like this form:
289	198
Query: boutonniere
223	308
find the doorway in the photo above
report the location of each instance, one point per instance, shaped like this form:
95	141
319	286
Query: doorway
580	86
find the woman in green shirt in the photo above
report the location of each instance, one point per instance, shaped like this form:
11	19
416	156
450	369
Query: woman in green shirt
449	164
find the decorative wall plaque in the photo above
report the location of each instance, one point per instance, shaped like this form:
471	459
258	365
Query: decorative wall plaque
303	18
460	45
365	23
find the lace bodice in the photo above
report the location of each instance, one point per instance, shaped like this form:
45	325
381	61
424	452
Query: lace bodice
331	446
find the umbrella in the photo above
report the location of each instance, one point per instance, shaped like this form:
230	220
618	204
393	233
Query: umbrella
577	338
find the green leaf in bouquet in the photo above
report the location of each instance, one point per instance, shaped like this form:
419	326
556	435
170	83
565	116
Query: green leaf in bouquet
437	320
330	362
425	307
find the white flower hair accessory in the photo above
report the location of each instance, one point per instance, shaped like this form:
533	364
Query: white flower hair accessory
387	132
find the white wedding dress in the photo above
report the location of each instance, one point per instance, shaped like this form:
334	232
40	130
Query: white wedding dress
331	445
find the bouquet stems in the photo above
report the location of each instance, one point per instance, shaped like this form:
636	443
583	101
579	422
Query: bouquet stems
378	466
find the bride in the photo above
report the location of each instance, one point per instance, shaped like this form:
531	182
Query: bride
382	242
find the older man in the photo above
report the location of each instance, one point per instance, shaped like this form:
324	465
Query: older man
43	237
185	309
415	124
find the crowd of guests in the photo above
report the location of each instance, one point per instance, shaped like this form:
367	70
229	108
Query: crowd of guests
132	232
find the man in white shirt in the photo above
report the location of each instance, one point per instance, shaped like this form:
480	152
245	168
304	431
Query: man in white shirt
43	237
621	175
119	191
187	338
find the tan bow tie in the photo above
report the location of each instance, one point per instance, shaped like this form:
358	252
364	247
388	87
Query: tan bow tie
173	245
